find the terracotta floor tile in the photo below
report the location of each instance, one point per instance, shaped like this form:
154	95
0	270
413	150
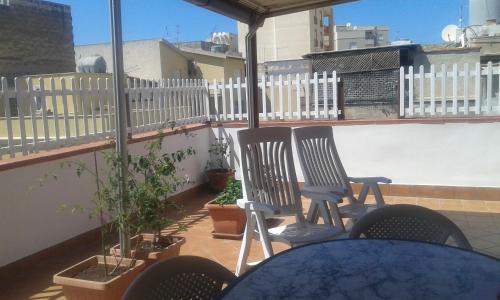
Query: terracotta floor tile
493	206
481	244
451	205
474	206
428	202
405	200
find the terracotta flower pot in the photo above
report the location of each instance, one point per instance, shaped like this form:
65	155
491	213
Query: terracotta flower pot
228	220
150	257
76	288
217	179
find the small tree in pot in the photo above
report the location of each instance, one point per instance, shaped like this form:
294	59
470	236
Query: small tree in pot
155	181
218	169
101	276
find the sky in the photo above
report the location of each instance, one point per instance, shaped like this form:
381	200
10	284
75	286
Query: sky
418	20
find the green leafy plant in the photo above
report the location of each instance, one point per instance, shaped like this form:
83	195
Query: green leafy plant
231	193
152	178
105	203
155	180
219	152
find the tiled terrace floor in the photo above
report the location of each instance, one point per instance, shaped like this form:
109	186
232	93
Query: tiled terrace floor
479	220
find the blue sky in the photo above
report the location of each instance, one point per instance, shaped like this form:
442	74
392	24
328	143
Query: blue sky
418	20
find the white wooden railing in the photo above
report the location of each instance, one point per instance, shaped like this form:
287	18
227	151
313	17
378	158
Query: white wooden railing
450	90
287	97
39	114
60	112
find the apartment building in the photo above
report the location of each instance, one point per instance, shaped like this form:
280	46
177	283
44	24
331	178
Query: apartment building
348	37
27	49
291	36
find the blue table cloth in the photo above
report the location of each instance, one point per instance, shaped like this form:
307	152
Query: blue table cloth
371	269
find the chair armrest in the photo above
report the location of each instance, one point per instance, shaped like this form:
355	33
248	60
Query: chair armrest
324	193
370	179
256	206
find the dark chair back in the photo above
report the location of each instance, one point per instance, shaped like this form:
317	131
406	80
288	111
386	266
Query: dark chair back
182	277
409	222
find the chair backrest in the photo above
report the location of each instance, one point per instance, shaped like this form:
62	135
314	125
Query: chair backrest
319	159
268	170
181	277
409	222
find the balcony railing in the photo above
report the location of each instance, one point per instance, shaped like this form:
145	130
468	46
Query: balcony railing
42	113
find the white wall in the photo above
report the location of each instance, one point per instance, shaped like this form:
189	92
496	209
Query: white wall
452	154
29	216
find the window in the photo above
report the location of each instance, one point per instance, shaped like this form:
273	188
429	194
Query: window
353	45
326	21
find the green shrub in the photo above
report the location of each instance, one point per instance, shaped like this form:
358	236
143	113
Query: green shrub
231	193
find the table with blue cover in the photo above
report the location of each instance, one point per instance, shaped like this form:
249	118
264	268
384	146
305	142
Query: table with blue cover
371	269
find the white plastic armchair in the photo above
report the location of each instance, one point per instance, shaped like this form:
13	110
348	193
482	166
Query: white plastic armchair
323	169
270	189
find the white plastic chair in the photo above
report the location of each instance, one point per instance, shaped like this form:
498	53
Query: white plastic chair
323	169
270	189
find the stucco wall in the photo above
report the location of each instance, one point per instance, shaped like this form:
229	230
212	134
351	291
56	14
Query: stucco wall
141	58
29	216
451	154
173	63
233	67
448	58
210	67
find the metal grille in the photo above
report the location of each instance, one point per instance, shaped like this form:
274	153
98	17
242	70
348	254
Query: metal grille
371	87
357	61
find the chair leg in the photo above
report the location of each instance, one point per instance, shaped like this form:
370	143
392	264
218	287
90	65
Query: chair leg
313	213
363	193
264	237
241	265
379	199
327	218
337	219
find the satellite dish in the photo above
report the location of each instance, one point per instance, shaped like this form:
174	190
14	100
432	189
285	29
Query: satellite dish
449	33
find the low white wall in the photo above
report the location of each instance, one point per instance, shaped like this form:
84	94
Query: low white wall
30	219
450	154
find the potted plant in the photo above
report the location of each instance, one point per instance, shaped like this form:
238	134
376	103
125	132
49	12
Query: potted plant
227	218
101	276
155	180
218	170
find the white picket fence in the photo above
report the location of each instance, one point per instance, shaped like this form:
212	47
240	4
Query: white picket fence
39	114
59	112
450	90
283	97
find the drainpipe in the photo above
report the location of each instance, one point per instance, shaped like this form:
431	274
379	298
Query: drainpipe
120	116
252	80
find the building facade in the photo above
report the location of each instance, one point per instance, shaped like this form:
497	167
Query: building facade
291	36
146	59
212	65
348	37
36	37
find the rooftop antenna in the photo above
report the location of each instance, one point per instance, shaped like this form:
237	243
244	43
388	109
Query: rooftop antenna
460	20
177	32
